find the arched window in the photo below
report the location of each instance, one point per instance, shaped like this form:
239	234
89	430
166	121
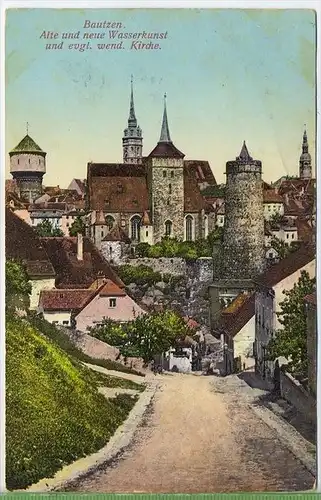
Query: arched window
110	221
135	227
189	228
168	228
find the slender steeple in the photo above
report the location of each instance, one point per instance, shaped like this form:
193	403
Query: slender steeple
305	158
165	135
132	121
132	139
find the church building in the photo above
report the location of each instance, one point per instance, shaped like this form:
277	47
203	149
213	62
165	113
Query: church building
149	197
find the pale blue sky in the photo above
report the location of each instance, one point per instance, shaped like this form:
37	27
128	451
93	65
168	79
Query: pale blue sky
229	75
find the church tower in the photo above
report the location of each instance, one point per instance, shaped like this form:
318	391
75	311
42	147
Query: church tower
166	186
305	159
27	167
132	139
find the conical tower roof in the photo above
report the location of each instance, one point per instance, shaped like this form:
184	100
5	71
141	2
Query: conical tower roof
165	148
27	145
244	155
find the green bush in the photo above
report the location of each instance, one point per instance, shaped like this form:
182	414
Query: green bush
140	275
53	414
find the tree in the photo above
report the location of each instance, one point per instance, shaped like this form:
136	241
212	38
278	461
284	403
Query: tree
142	250
78	226
46	229
290	341
215	236
146	336
18	287
276	219
282	249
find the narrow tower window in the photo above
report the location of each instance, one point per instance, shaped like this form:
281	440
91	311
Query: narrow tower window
189	228
164	173
170	189
168	228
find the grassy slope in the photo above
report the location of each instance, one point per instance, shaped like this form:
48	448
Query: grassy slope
54	413
66	344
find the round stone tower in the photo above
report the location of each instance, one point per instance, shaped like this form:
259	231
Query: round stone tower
243	242
27	167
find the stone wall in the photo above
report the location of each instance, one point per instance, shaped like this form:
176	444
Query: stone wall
189	295
174	266
293	392
97	349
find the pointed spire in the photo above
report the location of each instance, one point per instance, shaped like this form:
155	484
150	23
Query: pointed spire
244	154
132	116
165	135
305	145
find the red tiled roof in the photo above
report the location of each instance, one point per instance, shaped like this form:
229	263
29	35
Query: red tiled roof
191	323
117	234
311	298
110	289
23	244
64	300
74	273
285	267
296	185
271	196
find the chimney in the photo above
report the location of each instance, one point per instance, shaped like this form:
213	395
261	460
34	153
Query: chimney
80	246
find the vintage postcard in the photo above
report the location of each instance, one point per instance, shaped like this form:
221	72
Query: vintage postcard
160	241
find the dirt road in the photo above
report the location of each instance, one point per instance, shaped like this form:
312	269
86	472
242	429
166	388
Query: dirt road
201	436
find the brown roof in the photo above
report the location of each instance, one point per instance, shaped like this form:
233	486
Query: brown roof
239	312
202	171
48	206
110	289
166	150
305	231
271	196
118	187
296	185
285	267
64	300
117	234
23	244
311	298
72	273
193	199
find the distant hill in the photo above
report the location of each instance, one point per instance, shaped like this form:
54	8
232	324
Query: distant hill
54	412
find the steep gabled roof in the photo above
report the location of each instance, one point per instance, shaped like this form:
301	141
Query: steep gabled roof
239	312
23	244
64	300
74	273
110	289
285	267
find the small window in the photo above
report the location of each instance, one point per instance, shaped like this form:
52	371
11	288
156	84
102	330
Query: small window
110	249
292	236
170	188
287	235
164	173
271	255
112	302
29	161
172	173
65	322
39	161
102	234
55	322
18	162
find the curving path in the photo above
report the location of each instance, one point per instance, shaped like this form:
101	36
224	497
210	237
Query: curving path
201	436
